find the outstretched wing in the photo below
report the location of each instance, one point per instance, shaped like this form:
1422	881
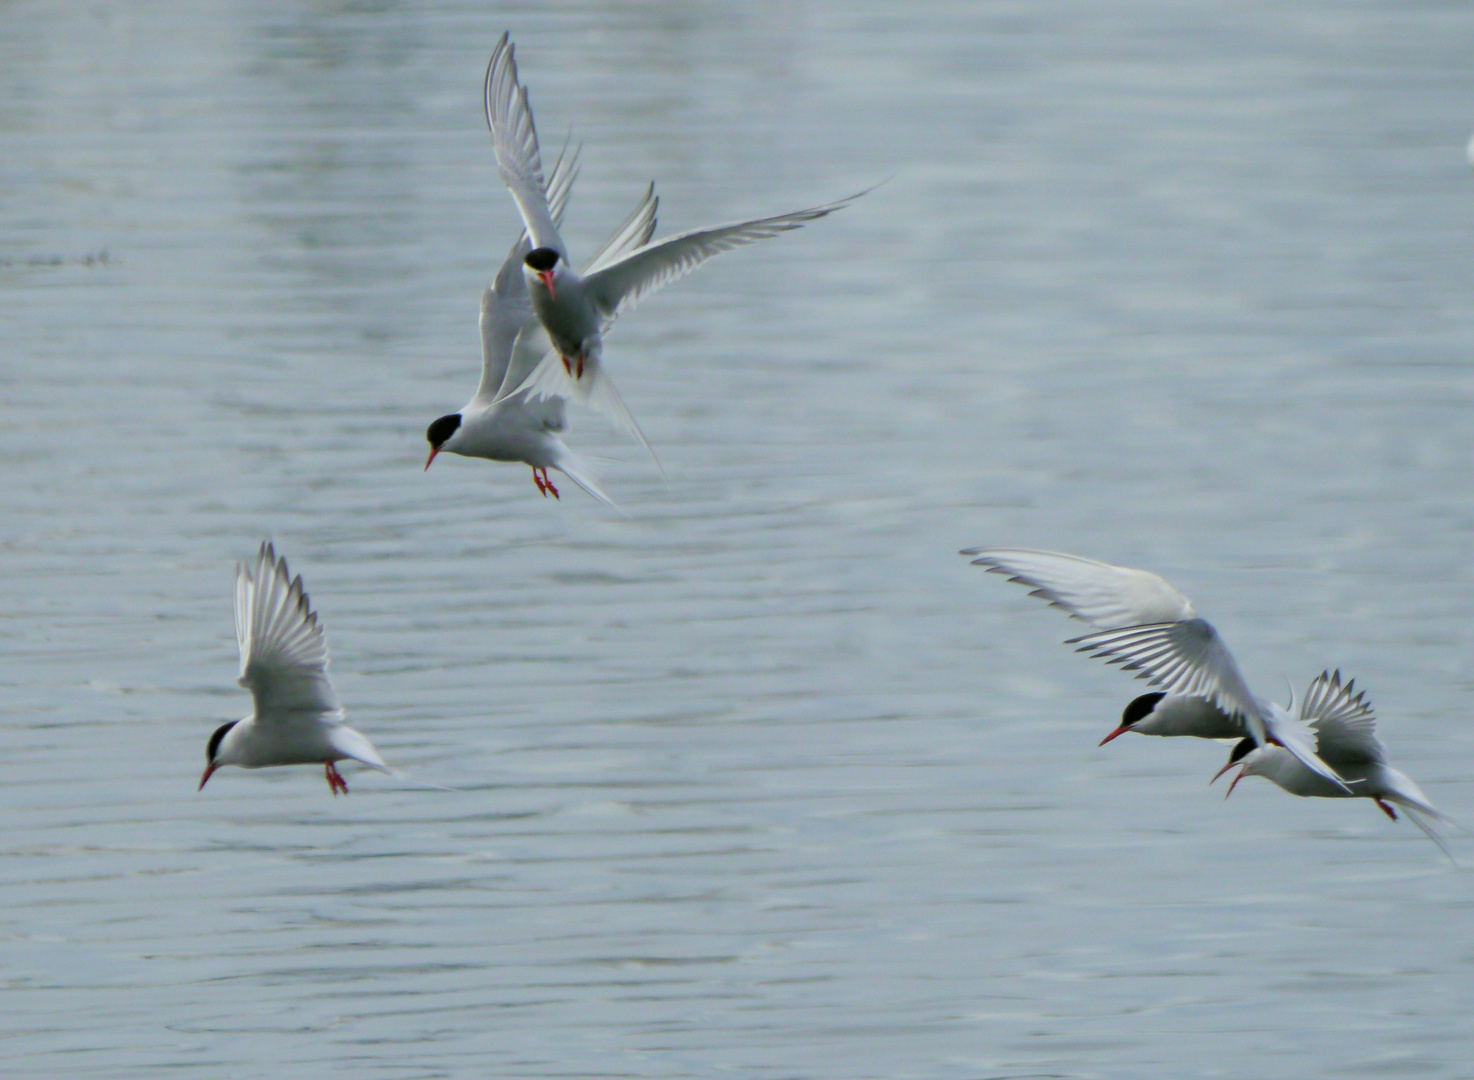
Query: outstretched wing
1186	657
618	286
506	310
284	656
1190	658
1342	718
635	232
1105	596
513	134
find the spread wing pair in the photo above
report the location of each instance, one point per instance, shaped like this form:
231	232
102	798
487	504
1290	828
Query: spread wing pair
297	719
1143	624
575	308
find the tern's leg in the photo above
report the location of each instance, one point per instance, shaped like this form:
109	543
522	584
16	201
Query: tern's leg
580	367
567	367
1386	809
548	483
336	783
538	480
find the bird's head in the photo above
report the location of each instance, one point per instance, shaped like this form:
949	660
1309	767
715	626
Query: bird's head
1244	754
439	433
215	754
542	264
1137	711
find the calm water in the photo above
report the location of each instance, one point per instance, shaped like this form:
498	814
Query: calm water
760	779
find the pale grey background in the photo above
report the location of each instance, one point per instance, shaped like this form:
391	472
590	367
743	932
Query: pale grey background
760	780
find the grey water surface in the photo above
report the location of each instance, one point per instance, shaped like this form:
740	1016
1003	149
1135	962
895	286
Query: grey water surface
759	778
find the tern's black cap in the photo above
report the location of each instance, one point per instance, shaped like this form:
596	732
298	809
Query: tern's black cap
443	429
1141	708
215	739
1241	750
541	259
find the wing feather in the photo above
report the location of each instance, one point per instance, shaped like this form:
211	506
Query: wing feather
514	135
634	233
1343	721
506	310
284	655
1186	657
619	285
1105	596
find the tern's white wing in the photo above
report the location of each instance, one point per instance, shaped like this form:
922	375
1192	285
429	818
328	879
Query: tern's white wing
1105	596
1342	718
635	232
1289	731
506	311
1190	658
509	115
284	656
1186	657
616	287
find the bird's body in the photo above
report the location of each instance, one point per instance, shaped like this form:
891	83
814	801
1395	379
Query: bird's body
297	719
1344	728
1142	623
515	426
563	307
575	307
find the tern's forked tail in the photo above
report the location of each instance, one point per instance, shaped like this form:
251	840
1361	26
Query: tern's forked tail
573	467
594	389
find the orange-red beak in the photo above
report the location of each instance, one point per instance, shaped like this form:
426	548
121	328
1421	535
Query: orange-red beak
1113	735
433	451
1235	783
1221	771
547	279
209	772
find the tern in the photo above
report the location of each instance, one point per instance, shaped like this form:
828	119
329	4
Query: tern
1146	626
1346	739
575	308
284	660
512	426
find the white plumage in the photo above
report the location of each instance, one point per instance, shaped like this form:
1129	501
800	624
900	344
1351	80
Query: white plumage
1345	738
499	423
576	308
297	719
1143	624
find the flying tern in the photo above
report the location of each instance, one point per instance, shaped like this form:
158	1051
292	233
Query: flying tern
575	308
297	719
1143	624
499	422
1344	727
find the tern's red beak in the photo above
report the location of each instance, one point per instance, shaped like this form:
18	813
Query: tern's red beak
1235	783
433	451
209	772
1221	771
547	279
1113	735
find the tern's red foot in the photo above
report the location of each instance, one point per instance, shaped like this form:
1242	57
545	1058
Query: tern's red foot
580	368
1386	809
538	480
336	783
547	483
567	367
